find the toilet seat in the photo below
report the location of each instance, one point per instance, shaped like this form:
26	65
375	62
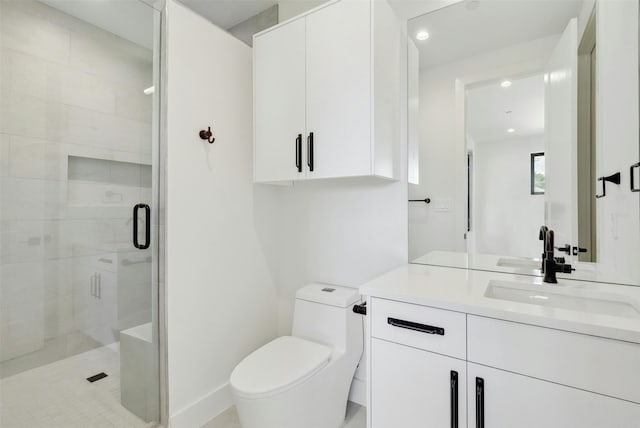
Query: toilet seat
278	366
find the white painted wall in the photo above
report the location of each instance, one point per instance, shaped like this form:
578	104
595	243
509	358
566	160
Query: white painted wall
561	143
290	8
442	224
507	216
618	214
220	287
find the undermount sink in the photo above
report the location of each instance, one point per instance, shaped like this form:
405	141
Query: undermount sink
520	263
605	304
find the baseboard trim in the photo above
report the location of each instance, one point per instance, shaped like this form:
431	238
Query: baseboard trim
204	409
358	392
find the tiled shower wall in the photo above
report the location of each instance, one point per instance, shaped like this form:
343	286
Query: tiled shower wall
68	89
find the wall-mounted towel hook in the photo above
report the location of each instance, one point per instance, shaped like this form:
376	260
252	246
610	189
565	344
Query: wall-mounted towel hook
613	178
207	135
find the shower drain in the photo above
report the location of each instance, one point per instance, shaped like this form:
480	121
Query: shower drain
96	377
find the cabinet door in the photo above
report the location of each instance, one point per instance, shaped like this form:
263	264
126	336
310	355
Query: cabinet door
339	89
279	102
510	400
411	388
84	300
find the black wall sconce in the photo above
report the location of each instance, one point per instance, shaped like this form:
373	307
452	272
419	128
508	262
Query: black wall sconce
613	178
207	135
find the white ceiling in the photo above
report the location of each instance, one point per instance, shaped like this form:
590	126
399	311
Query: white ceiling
227	13
487	107
129	19
469	28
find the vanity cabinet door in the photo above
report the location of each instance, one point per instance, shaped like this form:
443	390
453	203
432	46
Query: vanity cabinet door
339	93
412	388
279	103
500	399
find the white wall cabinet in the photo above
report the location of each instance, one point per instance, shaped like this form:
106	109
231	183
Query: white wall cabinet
327	94
517	375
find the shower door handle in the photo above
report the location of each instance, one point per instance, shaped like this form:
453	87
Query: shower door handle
147	226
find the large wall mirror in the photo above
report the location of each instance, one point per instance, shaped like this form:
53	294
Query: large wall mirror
524	114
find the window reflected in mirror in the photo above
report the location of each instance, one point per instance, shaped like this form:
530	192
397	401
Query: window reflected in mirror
537	173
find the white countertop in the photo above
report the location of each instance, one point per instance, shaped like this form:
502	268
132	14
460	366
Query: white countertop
584	271
463	290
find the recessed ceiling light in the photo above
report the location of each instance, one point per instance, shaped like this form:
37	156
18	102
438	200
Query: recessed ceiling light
422	35
505	83
511	130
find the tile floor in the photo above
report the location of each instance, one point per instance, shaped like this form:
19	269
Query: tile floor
356	418
55	349
58	395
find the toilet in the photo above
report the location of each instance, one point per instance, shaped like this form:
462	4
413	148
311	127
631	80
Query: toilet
303	380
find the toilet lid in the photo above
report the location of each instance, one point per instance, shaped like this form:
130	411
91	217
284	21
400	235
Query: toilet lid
279	364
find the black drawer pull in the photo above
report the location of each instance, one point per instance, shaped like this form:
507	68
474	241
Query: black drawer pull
454	398
479	402
422	328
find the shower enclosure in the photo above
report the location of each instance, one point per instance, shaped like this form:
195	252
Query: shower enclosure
79	179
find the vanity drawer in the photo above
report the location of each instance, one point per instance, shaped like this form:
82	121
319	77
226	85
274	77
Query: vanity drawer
418	326
592	363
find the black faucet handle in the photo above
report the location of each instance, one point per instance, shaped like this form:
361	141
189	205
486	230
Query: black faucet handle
565	268
543	232
565	249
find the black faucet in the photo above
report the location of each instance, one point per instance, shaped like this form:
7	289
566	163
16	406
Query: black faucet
550	265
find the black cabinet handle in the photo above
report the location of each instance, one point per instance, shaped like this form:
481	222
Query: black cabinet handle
454	398
299	152
633	179
147	226
310	151
479	402
422	328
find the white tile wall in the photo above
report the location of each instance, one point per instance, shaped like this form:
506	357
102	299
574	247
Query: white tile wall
66	88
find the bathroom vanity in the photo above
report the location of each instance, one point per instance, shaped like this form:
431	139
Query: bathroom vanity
454	347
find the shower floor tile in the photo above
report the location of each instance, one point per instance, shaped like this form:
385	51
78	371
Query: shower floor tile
53	350
58	394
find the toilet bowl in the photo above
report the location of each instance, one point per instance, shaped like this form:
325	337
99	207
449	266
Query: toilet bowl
303	380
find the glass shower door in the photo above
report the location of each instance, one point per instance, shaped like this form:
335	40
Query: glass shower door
79	118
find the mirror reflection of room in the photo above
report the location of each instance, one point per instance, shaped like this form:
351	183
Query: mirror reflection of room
505	143
518	129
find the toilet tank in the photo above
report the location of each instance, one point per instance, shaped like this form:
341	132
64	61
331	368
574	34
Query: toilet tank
323	313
